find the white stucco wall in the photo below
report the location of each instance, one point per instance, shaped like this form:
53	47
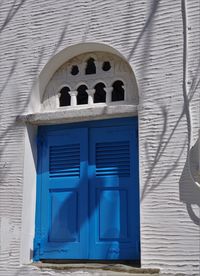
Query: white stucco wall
160	40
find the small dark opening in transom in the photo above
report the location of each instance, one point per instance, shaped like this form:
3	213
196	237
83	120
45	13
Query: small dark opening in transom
106	66
100	94
82	97
65	98
118	91
74	70
90	67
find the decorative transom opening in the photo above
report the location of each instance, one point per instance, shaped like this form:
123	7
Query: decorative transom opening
89	80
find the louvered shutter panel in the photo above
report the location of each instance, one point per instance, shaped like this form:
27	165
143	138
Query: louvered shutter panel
113	158
64	161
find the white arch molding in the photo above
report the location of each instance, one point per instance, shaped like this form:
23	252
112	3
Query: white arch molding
37	114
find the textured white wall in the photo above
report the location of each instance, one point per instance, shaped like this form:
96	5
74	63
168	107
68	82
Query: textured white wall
163	52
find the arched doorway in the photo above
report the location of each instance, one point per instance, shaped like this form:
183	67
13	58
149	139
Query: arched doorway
92	89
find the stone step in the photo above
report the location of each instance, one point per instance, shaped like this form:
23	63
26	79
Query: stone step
97	272
97	269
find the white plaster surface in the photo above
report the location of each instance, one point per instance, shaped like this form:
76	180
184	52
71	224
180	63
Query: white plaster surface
164	52
78	114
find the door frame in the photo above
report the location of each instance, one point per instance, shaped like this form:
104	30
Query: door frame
42	131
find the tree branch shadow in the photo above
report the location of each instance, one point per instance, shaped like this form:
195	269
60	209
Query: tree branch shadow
11	126
11	13
163	145
147	26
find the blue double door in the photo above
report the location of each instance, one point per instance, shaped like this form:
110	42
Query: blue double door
87	191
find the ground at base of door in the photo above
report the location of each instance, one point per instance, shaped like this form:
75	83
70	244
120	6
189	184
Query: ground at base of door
99	269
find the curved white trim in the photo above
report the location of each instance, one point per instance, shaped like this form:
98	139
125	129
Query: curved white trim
58	60
88	56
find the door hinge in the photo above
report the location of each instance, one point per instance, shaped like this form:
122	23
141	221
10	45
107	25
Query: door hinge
36	251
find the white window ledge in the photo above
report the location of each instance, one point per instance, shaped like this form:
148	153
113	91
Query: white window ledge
78	114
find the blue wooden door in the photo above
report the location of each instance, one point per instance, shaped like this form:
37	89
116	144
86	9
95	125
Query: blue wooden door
88	198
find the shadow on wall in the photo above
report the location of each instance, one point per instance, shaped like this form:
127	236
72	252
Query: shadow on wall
34	70
165	139
14	8
189	184
9	126
146	30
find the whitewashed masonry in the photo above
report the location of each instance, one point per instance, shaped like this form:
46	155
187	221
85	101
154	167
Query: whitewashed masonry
88	80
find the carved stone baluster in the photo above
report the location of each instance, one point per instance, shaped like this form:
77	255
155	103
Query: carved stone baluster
73	95
108	94
90	96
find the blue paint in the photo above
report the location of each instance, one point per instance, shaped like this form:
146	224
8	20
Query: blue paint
88	191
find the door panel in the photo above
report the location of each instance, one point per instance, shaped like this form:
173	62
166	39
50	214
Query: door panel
113	190
88	206
64	222
64	214
109	201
